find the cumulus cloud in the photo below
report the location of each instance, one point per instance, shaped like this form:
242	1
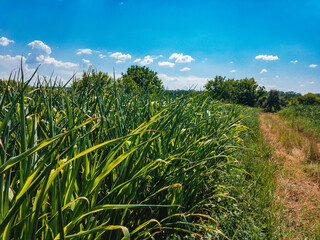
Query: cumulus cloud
267	57
5	41
313	65
40	47
312	82
56	63
121	58
264	70
233	71
231	62
166	64
12	63
84	51
147	59
86	61
102	56
41	55
294	61
180	58
185	69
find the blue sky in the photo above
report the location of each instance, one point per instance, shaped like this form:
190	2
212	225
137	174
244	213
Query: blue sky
186	42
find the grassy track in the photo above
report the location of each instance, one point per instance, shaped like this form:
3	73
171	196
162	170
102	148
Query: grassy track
94	164
297	190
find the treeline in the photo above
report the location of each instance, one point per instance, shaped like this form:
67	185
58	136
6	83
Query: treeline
248	92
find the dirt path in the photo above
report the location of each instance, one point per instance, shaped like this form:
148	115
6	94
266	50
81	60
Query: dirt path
298	190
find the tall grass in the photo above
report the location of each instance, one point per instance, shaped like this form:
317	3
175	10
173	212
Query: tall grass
305	118
91	164
103	164
254	213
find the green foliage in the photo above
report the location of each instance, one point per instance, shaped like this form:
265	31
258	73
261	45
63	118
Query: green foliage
142	79
92	80
309	99
90	164
273	103
220	88
305	118
81	163
243	91
253	215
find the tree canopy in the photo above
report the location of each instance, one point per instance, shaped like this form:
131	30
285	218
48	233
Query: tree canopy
309	99
141	78
92	79
244	91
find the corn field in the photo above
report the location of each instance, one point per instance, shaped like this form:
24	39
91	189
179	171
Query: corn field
104	164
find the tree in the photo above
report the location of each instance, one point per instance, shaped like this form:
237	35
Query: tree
245	91
309	99
92	80
220	88
273	103
141	79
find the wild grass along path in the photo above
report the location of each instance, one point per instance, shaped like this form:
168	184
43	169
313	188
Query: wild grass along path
297	179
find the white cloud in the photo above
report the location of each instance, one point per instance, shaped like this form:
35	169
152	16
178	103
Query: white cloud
294	61
40	47
301	85
185	69
102	56
41	55
267	57
264	70
183	82
311	82
180	58
233	71
5	41
10	64
85	61
56	63
166	64
146	60
84	51
277	76
231	62
313	65
120	57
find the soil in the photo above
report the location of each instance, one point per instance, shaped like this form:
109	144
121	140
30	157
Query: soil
297	192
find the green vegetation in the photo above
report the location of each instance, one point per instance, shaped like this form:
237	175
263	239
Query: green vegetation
247	92
95	162
309	99
303	118
92	80
243	91
254	212
140	79
113	159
